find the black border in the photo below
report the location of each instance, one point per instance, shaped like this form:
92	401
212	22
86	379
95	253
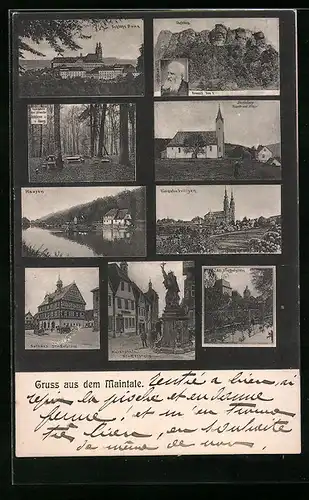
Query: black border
206	468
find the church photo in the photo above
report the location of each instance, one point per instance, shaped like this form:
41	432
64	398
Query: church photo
80	57
151	310
218	219
217	140
62	308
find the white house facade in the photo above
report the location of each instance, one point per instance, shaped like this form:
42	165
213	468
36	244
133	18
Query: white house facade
116	217
265	153
198	143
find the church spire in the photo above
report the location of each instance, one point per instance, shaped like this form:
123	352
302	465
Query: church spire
226	205
219	115
232	208
59	284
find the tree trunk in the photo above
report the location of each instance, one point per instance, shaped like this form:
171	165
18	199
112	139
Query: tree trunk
102	132
59	161
95	127
132	122
91	132
41	141
124	135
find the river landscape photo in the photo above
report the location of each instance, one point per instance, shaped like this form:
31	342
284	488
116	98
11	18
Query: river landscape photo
107	221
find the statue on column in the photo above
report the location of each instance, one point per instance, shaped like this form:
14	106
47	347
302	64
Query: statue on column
170	282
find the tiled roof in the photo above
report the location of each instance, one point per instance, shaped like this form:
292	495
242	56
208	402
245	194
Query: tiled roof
111	213
208	137
52	297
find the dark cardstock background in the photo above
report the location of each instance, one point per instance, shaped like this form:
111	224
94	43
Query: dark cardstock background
284	356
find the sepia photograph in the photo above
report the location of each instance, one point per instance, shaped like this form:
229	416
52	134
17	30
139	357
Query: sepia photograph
239	306
80	57
226	56
81	142
218	219
84	222
217	140
174	77
151	310
62	308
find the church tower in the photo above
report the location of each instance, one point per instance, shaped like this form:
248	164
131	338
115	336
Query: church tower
226	208
99	52
232	209
59	284
220	134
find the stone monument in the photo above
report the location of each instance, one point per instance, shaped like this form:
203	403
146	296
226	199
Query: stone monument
175	332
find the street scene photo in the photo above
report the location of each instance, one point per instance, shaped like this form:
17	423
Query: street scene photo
215	219
62	308
81	142
239	306
225	56
80	57
84	222
151	310
217	140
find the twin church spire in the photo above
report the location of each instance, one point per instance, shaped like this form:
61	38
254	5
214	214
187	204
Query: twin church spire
229	207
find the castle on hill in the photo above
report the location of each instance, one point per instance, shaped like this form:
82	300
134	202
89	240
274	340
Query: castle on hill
90	66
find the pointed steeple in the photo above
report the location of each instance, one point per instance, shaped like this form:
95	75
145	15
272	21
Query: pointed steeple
150	284
226	205
59	284
232	208
219	115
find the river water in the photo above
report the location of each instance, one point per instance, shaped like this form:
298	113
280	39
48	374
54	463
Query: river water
107	242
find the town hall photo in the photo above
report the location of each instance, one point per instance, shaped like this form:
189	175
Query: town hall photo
217	140
62	308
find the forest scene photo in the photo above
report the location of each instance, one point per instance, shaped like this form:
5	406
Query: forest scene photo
82	143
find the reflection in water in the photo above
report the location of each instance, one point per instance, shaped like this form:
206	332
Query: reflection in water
106	242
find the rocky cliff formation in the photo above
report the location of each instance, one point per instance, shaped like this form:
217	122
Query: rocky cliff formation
221	58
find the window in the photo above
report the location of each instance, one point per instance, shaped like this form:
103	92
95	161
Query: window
210	148
109	300
133	322
126	322
132	305
122	285
193	291
126	304
110	322
179	150
119	302
129	287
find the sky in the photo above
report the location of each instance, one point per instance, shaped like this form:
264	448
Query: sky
121	40
38	281
270	26
141	272
238	278
186	202
248	126
38	202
